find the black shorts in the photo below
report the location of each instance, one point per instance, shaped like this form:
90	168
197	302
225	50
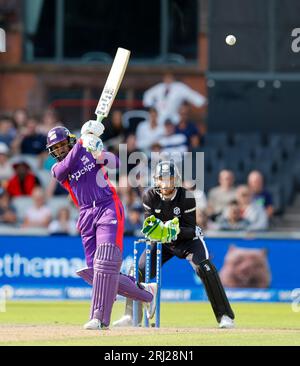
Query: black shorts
194	251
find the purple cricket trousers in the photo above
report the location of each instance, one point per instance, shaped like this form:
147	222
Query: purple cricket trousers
101	226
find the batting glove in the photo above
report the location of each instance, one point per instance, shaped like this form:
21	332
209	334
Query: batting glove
92	143
94	127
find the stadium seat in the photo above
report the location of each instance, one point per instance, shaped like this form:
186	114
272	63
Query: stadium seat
215	140
21	204
288	189
287	141
44	177
74	212
210	181
276	192
244	139
132	118
211	154
56	203
285	144
275	140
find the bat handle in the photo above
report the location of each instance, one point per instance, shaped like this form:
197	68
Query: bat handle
99	118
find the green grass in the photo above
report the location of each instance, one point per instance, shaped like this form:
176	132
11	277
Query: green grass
257	324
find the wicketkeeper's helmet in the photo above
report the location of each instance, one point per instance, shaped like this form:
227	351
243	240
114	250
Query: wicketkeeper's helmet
167	169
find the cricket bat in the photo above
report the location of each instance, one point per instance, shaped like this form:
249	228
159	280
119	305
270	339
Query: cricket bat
113	83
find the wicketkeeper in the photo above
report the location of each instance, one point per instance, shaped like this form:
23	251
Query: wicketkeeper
80	168
170	217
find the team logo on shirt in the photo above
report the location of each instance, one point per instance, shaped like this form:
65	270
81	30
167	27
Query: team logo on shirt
85	160
81	172
176	211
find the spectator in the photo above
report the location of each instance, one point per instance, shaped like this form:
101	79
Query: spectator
187	127
63	224
232	218
168	96
131	148
133	222
173	142
128	195
148	132
23	181
195	142
20	117
6	169
33	143
49	120
38	215
220	196
259	194
7	130
201	219
7	210
250	210
114	131
131	143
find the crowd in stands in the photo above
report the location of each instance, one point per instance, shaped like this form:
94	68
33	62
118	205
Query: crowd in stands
245	207
31	198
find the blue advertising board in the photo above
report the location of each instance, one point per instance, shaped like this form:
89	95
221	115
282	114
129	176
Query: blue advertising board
44	267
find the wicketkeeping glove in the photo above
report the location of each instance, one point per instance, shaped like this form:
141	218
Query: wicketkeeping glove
172	227
154	229
94	127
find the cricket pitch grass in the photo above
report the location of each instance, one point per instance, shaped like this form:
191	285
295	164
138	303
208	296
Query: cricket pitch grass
182	324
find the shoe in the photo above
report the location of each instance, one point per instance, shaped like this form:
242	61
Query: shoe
125	321
226	322
150	307
94	324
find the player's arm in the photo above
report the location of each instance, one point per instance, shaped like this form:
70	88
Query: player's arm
194	97
61	169
148	209
187	221
150	96
90	137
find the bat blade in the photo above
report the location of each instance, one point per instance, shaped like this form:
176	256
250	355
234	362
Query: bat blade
113	83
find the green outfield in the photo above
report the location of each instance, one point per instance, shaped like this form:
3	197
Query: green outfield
60	323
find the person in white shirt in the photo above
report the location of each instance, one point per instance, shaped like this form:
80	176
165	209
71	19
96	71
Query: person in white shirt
148	132
63	224
168	96
38	215
173	142
6	168
219	197
250	210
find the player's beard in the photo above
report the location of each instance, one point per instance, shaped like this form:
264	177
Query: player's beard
62	154
167	193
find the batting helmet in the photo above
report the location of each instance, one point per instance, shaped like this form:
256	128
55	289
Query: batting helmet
57	135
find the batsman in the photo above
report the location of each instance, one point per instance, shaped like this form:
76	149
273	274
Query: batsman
81	169
170	217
